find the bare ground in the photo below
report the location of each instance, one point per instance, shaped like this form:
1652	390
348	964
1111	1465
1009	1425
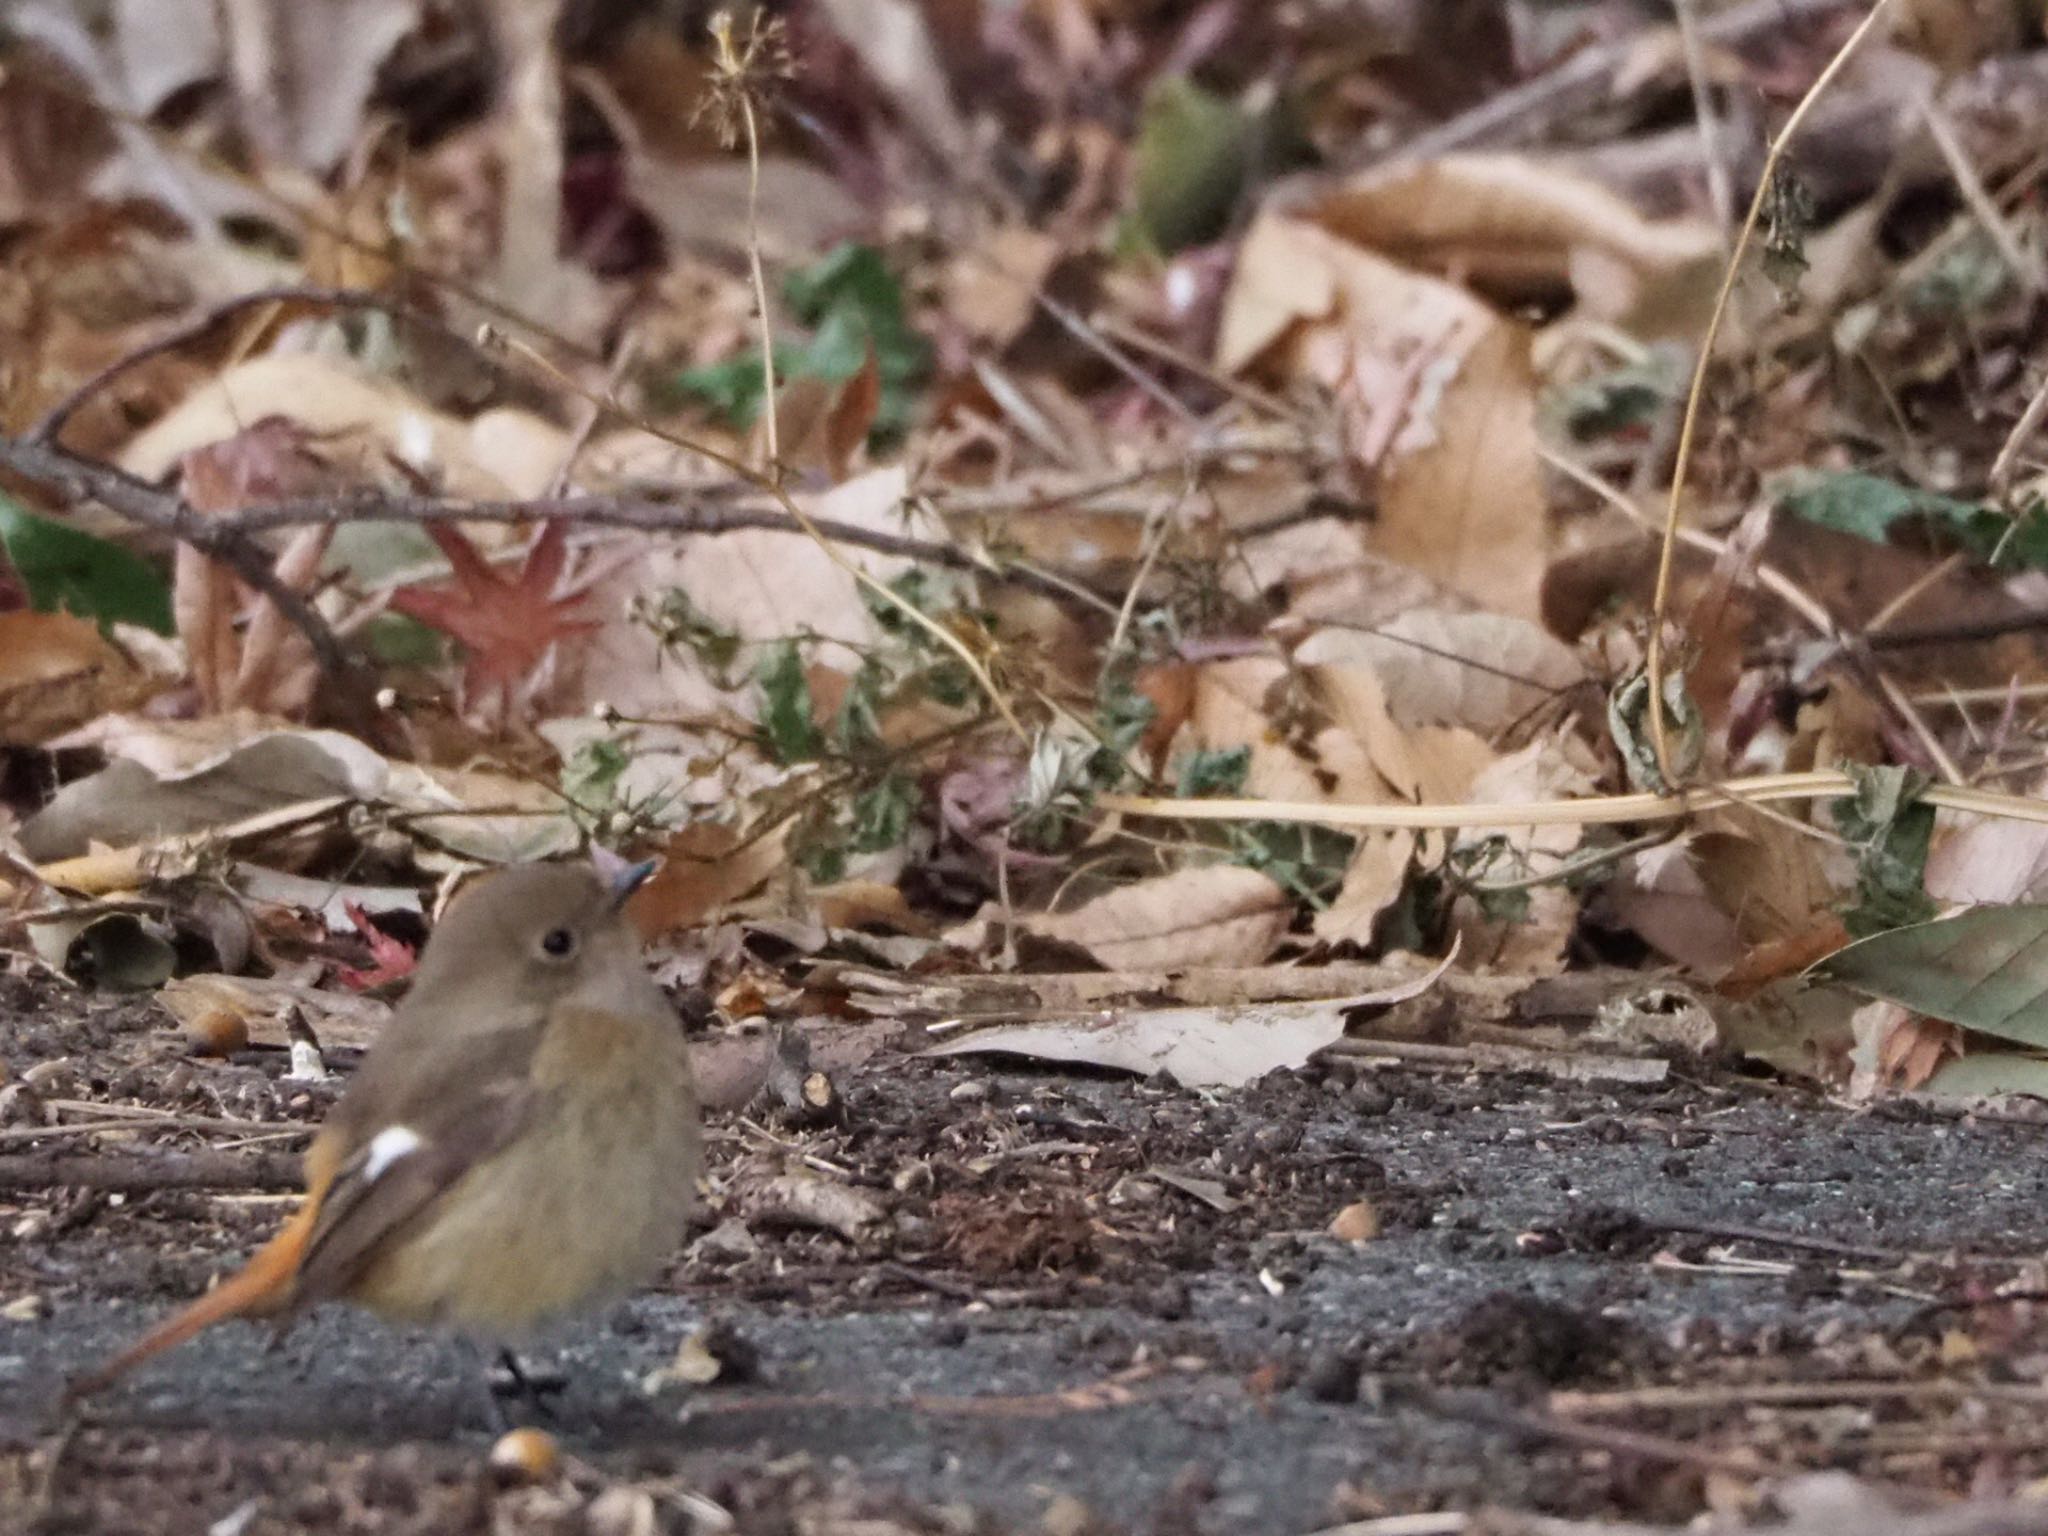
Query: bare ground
1054	1310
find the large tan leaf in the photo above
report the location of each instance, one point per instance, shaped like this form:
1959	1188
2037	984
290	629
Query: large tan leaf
1219	914
1438	395
1373	883
1246	703
1429	764
1210	1047
1518	229
57	672
1542	770
331	398
1485	671
1321	571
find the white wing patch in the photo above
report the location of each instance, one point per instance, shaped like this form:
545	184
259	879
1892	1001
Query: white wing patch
387	1147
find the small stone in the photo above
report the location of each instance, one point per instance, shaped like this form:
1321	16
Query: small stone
621	1511
1068	1516
1333	1379
526	1456
217	1032
24	1309
973	1091
1356	1223
21	1105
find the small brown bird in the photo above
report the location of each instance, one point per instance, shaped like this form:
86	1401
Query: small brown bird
521	1142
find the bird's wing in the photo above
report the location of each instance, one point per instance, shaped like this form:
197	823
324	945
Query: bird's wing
400	1168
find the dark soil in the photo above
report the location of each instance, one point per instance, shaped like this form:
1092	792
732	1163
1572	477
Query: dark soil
1053	1309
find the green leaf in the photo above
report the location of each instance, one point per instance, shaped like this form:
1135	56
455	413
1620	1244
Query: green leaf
1214	771
1889	826
1872	507
399	640
853	305
881	816
787	722
1991	1074
1308	862
1193	154
1621	399
859	725
1986	969
591	776
65	569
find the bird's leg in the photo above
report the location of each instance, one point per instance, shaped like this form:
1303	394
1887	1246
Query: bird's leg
535	1388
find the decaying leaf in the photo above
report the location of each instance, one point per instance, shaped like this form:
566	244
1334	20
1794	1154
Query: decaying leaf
1196	1047
1215	914
507	625
1519	231
1986	969
1438	394
57	672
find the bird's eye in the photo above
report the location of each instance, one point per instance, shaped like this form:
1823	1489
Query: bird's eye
557	942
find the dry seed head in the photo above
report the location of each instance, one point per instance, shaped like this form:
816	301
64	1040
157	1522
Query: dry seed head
744	73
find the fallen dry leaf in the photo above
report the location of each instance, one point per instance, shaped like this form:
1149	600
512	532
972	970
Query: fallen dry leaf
1522	231
1196	1047
1438	394
1214	914
1373	882
1484	671
705	866
58	671
507	625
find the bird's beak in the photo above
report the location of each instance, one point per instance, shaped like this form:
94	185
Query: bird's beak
620	879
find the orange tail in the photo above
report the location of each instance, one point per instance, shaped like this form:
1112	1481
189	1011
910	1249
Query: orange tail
261	1286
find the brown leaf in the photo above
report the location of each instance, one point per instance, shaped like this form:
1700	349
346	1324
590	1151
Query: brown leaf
506	625
706	866
57	672
1218	914
1914	1050
1373	882
1438	394
1484	671
1521	231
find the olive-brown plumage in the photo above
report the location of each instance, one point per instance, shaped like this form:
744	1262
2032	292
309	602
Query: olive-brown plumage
521	1141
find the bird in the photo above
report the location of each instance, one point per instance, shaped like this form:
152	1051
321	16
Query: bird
521	1142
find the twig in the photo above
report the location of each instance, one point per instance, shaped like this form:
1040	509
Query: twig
75	479
1491	1413
1977	199
156	508
1720	190
1487	1056
1653	665
1769	577
2022	433
1735	1232
1583	79
139	1174
199	326
1783	1394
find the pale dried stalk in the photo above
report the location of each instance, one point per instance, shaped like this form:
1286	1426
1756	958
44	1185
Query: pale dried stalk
1689	423
1589	810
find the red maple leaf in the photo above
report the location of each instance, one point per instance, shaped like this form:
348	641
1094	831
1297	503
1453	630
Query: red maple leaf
505	623
389	958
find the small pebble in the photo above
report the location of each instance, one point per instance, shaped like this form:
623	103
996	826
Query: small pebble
1356	1223
526	1456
